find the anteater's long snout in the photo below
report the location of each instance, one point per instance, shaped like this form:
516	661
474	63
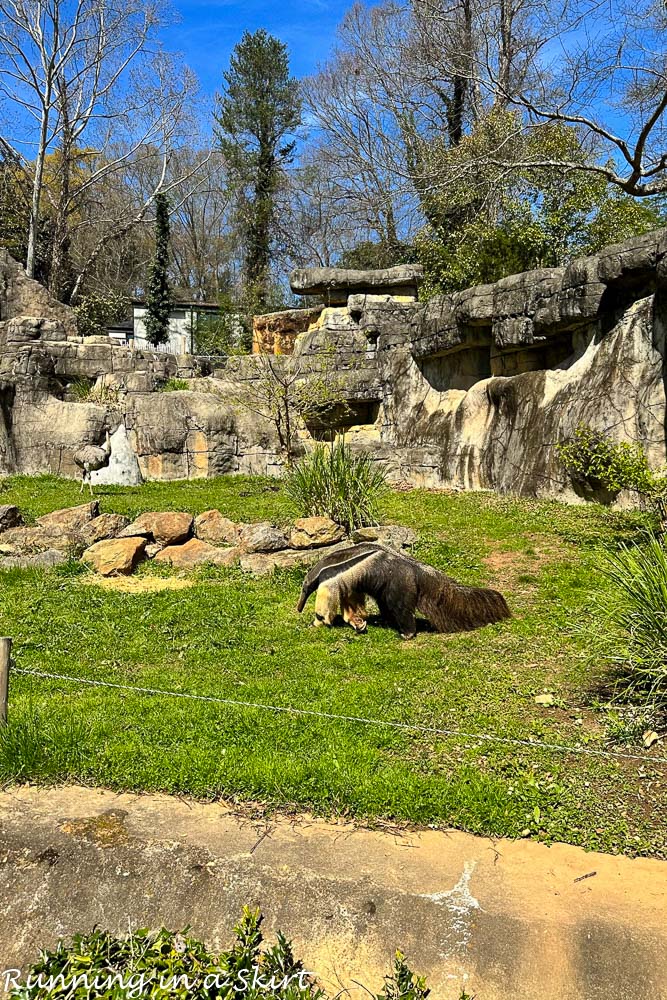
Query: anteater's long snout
305	594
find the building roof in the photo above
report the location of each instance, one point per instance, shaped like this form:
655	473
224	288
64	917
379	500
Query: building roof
185	304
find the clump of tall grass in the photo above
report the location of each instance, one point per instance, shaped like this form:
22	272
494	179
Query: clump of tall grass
175	385
636	616
334	482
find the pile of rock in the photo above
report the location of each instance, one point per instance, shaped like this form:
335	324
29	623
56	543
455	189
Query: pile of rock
112	545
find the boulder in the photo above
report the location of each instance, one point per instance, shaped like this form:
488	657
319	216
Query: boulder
165	528
262	537
264	563
38	538
196	553
70	518
394	536
102	527
313	532
38	560
213	527
10	516
23	329
117	556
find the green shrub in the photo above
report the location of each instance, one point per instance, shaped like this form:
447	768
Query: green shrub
152	965
227	332
591	457
403	984
332	481
94	313
635	619
175	385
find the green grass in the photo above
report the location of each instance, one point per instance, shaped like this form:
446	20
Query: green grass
235	637
175	385
241	497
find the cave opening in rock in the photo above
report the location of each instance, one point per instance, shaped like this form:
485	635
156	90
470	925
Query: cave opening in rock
340	418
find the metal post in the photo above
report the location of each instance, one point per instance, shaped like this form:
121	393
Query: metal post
5	660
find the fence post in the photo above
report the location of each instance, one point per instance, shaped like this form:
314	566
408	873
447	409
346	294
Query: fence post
5	659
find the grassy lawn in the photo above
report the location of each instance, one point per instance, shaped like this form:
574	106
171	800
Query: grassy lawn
232	636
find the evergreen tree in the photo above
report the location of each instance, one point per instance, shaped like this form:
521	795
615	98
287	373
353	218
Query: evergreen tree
256	113
158	291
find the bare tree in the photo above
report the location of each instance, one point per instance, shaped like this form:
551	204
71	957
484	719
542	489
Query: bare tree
407	82
600	68
80	75
287	390
358	137
203	247
315	220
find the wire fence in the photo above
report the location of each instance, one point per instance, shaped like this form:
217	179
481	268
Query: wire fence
409	727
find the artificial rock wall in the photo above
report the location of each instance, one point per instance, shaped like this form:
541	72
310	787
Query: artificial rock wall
472	390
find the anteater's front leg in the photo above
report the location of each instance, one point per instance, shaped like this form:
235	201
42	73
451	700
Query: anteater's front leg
354	611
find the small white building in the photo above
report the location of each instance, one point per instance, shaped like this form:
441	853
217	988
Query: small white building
182	327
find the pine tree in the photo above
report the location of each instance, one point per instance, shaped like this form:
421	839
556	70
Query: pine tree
258	110
158	291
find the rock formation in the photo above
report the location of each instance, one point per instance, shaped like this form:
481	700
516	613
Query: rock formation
112	546
276	333
336	284
471	390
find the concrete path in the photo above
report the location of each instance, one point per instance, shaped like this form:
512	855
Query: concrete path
506	920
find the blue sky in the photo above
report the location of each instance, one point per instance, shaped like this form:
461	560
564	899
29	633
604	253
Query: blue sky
209	29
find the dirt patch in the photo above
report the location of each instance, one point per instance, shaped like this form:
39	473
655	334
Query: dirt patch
138	585
506	566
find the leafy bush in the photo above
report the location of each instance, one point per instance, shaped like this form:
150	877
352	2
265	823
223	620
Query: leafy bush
332	481
162	964
635	625
403	984
370	256
591	457
226	332
95	313
485	222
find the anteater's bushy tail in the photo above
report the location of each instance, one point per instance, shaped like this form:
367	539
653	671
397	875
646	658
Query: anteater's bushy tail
453	607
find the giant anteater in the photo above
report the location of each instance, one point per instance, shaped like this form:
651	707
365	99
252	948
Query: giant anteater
400	585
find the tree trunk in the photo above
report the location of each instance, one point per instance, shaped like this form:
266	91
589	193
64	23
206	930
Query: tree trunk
60	275
259	227
36	195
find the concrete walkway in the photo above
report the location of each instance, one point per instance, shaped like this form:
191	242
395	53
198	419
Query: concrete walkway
506	920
